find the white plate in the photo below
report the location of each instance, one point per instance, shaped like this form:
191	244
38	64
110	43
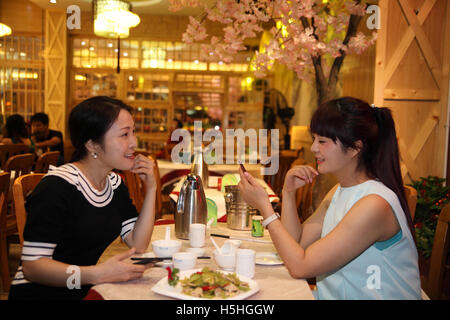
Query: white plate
268	259
163	288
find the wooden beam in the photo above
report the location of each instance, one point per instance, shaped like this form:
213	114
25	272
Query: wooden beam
380	61
408	160
422	136
412	94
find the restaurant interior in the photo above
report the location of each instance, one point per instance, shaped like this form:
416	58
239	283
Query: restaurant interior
56	53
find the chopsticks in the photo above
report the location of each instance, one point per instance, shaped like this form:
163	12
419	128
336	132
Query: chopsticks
144	260
239	238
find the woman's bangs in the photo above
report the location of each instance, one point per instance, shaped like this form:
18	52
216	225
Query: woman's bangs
326	123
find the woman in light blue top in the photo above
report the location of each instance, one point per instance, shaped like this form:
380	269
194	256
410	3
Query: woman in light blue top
359	242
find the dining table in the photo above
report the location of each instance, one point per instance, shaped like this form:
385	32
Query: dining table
272	276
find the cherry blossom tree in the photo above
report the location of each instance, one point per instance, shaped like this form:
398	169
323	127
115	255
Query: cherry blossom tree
310	37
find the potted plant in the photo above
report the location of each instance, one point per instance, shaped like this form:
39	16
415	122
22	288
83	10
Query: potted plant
432	196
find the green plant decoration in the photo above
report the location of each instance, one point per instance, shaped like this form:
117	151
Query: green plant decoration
432	196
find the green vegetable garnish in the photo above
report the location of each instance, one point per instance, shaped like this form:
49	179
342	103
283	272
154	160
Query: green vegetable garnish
173	276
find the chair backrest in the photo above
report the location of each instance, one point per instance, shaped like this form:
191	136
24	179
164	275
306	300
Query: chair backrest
286	158
45	160
439	255
136	189
5	178
303	198
9	150
22	187
4	191
21	164
411	199
4	262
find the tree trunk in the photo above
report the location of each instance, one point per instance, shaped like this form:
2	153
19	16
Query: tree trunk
326	88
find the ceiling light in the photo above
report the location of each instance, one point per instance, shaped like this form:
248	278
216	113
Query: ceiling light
4	30
113	18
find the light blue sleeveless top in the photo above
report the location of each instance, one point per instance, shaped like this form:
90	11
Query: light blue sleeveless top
386	270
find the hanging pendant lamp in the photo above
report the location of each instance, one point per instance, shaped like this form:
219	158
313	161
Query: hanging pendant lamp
113	18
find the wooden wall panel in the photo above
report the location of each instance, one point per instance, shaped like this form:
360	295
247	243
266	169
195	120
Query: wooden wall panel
412	78
56	69
358	75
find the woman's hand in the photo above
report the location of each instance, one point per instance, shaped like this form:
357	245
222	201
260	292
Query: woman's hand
116	269
298	176
144	166
254	193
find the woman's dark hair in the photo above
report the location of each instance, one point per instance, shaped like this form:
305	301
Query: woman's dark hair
15	128
90	120
179	123
349	120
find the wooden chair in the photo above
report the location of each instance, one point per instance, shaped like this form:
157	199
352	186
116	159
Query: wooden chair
136	189
411	199
303	200
6	229
286	158
9	150
45	160
21	164
22	187
439	256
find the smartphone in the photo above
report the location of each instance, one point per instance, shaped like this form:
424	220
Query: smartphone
242	167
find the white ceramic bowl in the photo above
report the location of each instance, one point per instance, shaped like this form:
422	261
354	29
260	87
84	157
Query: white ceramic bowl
198	251
166	248
225	261
184	260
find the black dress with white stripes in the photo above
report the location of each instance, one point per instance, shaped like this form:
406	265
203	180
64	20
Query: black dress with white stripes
71	222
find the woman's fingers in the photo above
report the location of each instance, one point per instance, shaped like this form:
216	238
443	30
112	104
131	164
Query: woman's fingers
306	173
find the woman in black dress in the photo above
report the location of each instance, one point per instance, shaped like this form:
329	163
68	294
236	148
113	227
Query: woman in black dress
79	208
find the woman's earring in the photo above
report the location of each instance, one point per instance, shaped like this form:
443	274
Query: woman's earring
94	155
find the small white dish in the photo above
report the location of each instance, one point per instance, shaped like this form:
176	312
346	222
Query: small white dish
268	259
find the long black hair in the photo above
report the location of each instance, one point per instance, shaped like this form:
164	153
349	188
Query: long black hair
348	120
90	120
15	128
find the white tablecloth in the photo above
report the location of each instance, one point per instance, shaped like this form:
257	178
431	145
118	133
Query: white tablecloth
274	281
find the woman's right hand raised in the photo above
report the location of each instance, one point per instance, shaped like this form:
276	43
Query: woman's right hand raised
298	176
115	269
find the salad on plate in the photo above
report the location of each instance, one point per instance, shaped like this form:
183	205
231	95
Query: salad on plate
209	284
